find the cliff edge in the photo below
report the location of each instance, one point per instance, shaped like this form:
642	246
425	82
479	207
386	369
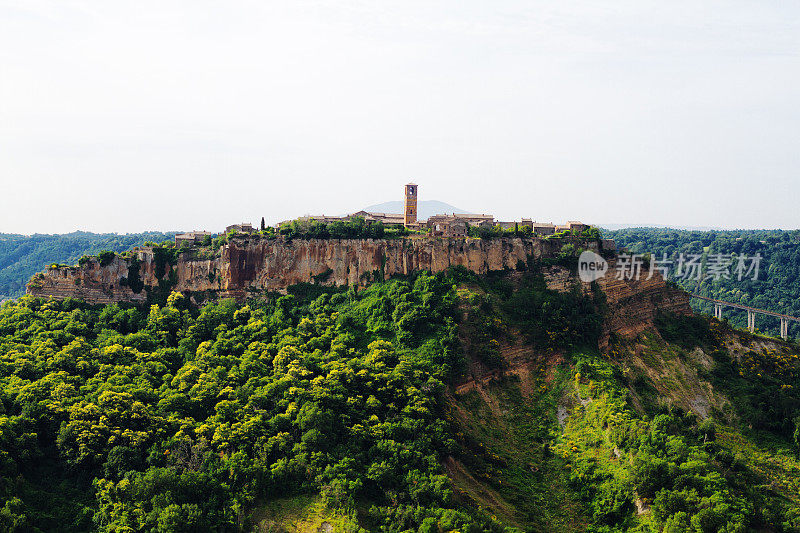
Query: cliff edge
249	265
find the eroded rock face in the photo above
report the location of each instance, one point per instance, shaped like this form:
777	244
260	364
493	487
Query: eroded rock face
91	282
631	303
274	265
247	266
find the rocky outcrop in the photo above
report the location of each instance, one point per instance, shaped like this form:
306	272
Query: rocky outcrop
92	282
250	265
274	265
633	303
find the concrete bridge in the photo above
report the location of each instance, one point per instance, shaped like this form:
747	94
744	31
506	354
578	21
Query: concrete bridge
751	314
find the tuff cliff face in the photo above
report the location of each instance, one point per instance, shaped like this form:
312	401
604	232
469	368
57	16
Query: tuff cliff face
274	265
92	282
247	266
632	303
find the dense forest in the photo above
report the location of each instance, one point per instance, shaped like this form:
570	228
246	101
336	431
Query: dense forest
174	419
776	289
340	405
21	256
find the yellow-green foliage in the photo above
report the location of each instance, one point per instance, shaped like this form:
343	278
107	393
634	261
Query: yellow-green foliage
302	514
181	419
355	408
682	477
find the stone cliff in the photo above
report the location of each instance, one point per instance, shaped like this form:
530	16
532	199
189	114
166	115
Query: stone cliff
247	266
631	304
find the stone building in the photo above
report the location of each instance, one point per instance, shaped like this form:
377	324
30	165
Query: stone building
478	220
437	223
457	224
192	237
325	219
572	226
457	228
244	227
542	228
387	219
447	226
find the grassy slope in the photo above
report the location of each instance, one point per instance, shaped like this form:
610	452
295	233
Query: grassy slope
300	514
514	457
506	420
505	465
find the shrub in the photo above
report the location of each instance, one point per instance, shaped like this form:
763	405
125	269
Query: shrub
105	257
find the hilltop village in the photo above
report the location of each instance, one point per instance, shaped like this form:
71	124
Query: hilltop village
354	250
449	225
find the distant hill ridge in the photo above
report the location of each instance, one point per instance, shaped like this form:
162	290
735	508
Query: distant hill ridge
21	256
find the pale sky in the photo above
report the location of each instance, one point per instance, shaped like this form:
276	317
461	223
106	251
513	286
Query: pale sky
132	116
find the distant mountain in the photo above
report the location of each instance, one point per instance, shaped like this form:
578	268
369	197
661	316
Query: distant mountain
425	208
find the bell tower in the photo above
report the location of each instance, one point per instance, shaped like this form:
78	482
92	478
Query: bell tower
410	211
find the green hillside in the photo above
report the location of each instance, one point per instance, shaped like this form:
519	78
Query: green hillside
433	403
21	256
776	289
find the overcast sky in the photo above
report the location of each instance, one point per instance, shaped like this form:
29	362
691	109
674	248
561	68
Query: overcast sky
131	116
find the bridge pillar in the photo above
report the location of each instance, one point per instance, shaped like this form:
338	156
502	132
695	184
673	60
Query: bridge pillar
751	321
718	312
784	329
